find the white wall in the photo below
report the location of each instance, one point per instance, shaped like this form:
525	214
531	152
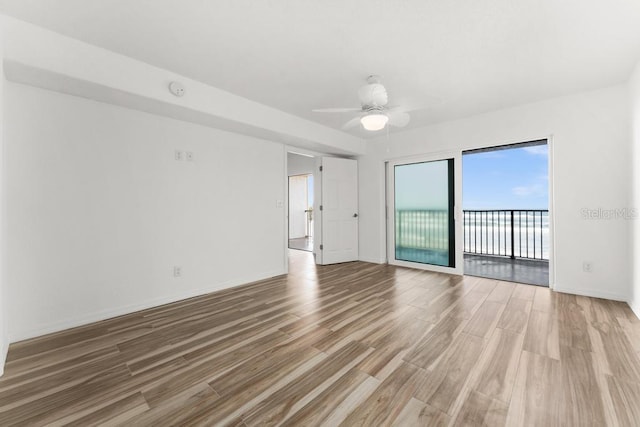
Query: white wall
300	165
634	89
99	211
592	170
4	334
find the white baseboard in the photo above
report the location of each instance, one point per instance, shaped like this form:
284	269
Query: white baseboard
591	293
132	308
372	260
4	349
635	307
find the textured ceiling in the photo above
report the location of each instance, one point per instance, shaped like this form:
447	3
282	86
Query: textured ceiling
454	58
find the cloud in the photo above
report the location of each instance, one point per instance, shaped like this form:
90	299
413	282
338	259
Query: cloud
529	190
537	150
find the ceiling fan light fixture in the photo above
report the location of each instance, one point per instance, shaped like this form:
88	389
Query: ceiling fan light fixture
374	121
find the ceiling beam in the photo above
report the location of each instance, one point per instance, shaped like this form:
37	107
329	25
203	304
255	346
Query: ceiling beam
42	58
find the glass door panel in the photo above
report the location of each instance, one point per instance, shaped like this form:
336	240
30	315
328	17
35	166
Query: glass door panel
423	213
423	229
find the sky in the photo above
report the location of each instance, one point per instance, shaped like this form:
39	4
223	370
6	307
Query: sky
516	178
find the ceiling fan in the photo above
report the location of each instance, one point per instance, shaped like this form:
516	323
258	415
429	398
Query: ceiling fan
373	112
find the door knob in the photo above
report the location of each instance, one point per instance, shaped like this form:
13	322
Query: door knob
355	215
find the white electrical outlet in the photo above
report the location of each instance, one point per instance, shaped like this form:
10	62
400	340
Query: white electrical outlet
177	271
189	156
179	155
587	266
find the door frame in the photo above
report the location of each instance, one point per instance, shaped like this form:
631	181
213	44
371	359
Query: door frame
456	155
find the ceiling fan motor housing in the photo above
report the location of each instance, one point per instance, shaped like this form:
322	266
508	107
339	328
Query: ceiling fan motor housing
373	95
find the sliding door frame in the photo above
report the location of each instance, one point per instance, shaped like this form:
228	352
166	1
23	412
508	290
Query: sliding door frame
457	211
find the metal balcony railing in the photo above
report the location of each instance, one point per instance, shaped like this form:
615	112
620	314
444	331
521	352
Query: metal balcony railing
516	233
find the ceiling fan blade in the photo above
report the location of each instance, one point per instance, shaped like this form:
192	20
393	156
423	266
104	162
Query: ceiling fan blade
351	123
336	110
405	109
398	118
407	105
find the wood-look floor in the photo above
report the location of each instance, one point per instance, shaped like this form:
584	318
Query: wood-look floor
351	344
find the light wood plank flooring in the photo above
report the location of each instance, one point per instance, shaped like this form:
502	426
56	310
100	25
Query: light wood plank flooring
350	344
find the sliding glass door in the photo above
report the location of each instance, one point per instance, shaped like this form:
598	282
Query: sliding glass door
423	228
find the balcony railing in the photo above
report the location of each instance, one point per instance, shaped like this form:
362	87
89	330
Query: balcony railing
515	233
422	229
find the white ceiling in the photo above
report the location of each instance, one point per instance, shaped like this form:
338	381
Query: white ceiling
455	57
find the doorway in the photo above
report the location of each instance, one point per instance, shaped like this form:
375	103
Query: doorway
506	217
301	212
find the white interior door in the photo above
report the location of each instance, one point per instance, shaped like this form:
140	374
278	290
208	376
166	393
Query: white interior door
339	212
298	206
